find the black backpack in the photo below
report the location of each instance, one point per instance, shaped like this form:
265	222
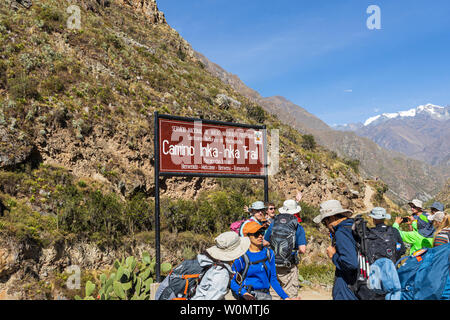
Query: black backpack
371	245
282	240
374	243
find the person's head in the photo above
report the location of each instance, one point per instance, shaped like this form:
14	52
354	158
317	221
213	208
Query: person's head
436	206
378	215
290	207
255	232
416	206
439	219
228	247
258	210
270	213
331	214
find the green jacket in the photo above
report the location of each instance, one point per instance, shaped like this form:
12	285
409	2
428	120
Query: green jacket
416	240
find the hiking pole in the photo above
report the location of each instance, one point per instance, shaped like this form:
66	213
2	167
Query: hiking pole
364	250
361	266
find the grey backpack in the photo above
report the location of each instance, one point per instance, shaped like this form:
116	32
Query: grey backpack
282	239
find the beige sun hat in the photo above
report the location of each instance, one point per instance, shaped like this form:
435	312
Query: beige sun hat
417	203
330	208
290	207
229	246
438	216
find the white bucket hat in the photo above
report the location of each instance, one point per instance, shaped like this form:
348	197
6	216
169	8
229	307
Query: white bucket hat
379	213
290	207
258	205
438	216
229	246
330	208
417	203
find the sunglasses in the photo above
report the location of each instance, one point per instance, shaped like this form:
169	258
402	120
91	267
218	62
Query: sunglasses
258	233
271	208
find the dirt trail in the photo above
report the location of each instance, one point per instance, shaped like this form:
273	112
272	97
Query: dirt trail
315	294
368	197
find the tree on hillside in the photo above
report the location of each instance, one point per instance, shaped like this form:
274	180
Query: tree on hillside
309	143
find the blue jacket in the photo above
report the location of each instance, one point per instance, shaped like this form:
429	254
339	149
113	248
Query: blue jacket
383	278
345	260
424	226
256	275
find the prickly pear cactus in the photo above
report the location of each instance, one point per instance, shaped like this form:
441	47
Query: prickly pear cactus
129	279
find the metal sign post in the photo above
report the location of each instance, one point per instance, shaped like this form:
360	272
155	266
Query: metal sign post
190	147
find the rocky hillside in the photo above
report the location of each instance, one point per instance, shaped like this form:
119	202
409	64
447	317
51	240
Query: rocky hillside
76	154
406	177
444	196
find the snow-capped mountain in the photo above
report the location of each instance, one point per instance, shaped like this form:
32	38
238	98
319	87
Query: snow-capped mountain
431	110
422	133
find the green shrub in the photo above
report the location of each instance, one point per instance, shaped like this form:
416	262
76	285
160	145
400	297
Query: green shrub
308	143
308	212
353	163
256	113
23	87
50	19
3	78
317	273
181	54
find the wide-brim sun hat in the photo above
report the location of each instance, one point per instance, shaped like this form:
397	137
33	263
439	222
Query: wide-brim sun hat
330	208
229	246
438	206
258	205
438	216
379	213
416	203
290	206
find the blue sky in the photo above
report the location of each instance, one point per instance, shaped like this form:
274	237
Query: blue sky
321	55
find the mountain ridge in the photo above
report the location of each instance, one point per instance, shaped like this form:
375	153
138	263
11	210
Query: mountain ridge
422	133
393	167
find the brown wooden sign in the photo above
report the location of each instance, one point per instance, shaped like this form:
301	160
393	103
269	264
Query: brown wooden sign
203	148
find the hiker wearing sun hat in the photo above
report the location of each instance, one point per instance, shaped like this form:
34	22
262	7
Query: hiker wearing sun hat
441	222
214	284
424	226
258	214
436	206
287	239
343	251
421	228
390	236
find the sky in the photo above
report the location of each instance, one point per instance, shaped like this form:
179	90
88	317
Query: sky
333	58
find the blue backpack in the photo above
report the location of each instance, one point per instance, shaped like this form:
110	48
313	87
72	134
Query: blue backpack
425	275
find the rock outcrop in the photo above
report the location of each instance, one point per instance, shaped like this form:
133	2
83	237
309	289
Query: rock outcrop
147	7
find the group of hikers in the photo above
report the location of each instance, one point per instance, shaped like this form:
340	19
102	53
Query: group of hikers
257	259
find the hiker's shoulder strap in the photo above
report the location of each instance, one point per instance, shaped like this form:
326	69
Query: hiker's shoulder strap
248	263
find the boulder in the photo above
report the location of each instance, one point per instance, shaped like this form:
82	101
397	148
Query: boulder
224	101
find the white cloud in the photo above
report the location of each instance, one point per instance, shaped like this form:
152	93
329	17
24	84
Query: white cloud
348	90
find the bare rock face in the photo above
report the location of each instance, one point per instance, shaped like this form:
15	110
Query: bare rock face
148	7
226	102
16	4
16	149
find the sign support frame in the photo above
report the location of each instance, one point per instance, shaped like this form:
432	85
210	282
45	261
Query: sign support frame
158	174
